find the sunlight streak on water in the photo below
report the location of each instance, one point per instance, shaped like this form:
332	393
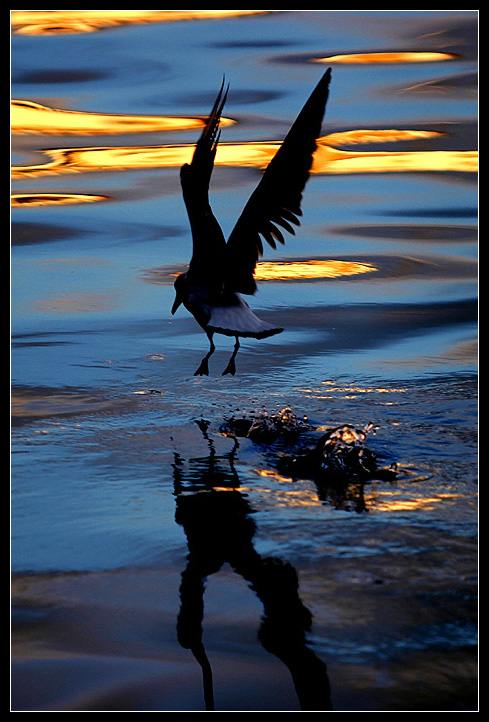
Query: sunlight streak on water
276	496
272	474
342	162
290	270
29	200
77	302
29	117
365	136
57	22
360	389
398	501
308	269
397	57
327	160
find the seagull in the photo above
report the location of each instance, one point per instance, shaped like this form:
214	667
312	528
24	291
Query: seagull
219	272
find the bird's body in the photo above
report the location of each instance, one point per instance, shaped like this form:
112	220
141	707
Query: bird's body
220	272
226	312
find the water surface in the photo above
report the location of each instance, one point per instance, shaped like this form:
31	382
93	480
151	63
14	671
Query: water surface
364	600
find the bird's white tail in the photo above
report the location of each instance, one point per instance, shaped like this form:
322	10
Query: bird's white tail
239	320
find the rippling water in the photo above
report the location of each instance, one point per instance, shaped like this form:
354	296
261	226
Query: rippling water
378	296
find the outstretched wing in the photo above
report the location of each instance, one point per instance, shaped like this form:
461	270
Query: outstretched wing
208	240
277	198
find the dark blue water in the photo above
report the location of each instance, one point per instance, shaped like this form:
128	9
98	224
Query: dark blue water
105	401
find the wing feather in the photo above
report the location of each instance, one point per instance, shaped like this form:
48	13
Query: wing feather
208	240
278	196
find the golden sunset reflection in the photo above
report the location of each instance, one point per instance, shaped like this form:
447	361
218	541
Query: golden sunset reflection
290	271
392	135
81	302
396	57
30	200
271	474
299	497
327	160
363	389
29	117
391	501
37	403
330	161
295	270
227	488
304	494
57	22
349	392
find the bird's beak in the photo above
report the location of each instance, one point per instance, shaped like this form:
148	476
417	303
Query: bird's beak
176	304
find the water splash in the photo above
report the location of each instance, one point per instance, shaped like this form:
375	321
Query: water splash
342	452
266	427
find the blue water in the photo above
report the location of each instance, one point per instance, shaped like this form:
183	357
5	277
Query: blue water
102	375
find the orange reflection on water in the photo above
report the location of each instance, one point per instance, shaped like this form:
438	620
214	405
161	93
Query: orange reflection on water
40	403
363	389
76	303
390	501
295	270
349	392
29	200
392	135
56	22
29	117
327	160
396	57
78	160
271	474
299	497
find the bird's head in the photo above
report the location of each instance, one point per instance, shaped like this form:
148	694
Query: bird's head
180	286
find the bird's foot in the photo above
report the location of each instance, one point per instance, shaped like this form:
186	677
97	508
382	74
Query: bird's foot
230	368
203	369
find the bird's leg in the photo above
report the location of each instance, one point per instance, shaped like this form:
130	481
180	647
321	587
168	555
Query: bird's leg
231	367
203	369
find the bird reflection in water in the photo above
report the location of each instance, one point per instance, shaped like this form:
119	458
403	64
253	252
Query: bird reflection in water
217	522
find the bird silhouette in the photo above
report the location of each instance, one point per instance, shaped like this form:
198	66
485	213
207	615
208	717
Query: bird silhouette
220	272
